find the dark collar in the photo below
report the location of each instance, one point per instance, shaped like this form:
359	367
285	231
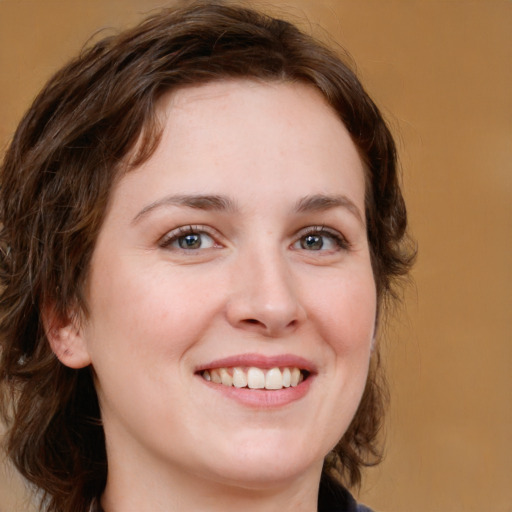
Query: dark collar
333	497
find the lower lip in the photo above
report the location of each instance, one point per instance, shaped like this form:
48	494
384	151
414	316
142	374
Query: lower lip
263	398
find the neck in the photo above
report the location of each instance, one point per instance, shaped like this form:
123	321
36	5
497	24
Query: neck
168	491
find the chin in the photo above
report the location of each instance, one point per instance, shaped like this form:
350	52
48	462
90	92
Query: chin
267	466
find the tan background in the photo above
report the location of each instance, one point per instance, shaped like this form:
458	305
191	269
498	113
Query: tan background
441	71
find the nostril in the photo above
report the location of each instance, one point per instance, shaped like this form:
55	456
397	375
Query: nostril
252	321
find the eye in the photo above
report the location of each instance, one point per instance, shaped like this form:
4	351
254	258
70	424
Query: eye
319	238
188	238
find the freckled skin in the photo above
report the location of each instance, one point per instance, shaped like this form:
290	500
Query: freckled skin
252	285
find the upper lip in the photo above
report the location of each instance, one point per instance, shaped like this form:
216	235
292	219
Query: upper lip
260	361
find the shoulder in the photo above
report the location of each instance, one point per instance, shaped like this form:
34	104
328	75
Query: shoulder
333	497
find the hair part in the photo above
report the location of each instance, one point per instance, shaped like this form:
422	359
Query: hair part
92	122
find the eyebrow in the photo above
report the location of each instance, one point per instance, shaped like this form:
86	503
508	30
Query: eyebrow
198	202
313	203
321	202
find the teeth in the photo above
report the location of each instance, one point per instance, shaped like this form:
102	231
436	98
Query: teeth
225	378
239	378
255	378
274	379
287	377
295	377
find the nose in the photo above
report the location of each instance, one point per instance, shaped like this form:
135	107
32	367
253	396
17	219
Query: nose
264	296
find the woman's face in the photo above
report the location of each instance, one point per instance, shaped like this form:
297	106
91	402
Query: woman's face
238	250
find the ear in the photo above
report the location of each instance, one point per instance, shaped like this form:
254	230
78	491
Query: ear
66	338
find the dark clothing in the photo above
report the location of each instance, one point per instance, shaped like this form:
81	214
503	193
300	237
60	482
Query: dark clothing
332	497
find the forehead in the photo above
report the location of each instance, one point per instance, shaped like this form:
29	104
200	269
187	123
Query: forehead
248	101
271	137
267	119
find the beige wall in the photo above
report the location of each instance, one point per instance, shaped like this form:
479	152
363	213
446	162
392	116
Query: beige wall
441	72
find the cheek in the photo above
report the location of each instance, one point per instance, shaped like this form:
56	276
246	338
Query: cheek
145	314
346	312
345	320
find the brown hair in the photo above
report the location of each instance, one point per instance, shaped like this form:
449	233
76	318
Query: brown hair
56	179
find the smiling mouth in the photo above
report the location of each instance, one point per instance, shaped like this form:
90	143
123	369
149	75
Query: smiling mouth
256	378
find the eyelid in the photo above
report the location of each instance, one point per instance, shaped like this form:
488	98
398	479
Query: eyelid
172	235
334	234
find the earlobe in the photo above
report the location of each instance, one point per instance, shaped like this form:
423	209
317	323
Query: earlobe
66	340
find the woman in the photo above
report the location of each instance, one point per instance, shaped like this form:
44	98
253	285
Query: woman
201	224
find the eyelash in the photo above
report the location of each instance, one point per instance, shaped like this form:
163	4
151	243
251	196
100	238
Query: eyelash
176	234
183	231
339	240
